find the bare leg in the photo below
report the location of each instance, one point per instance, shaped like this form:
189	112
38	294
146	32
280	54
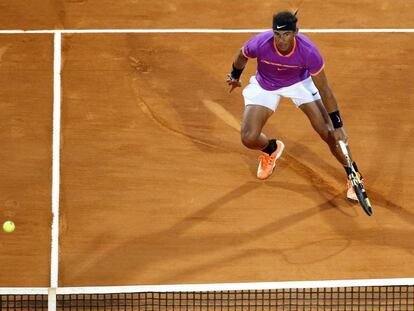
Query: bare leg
320	121
254	118
319	118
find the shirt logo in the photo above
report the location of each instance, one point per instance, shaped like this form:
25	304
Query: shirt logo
280	27
280	65
313	94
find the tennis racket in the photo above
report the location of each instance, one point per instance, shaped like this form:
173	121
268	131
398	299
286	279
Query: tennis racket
356	181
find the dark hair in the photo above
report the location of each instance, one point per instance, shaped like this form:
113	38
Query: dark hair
285	21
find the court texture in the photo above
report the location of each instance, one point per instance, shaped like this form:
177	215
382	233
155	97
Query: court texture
120	155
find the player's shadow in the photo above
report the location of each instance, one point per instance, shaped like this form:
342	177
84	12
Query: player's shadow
341	217
343	221
347	226
399	156
139	256
317	160
144	252
325	188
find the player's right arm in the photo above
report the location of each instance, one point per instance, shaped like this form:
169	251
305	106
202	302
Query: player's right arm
329	101
233	78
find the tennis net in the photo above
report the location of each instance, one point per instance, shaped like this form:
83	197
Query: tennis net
362	295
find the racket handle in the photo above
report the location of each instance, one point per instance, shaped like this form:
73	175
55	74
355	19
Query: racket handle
343	147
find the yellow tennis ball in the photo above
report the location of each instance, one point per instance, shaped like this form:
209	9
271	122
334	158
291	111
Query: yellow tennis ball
9	226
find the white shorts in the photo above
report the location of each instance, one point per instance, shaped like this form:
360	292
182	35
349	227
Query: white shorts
302	92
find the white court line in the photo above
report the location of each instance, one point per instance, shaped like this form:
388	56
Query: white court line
54	269
23	291
212	287
91	31
234	286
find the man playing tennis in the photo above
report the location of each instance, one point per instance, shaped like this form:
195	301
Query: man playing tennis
288	65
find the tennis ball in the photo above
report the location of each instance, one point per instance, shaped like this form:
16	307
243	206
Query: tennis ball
9	226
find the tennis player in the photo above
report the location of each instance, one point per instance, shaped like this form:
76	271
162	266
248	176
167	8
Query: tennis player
288	65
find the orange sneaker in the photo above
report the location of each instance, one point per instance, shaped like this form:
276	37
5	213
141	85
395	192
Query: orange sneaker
267	162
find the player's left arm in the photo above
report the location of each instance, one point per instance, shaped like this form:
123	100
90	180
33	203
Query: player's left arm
330	103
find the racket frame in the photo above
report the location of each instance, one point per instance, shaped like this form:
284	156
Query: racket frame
356	182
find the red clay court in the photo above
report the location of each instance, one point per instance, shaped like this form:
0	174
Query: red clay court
155	185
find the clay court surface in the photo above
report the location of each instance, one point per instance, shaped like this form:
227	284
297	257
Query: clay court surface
156	187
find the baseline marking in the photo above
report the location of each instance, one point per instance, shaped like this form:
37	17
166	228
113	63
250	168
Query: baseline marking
87	31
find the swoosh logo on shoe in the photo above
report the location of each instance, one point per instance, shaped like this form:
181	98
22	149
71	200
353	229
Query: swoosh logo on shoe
313	94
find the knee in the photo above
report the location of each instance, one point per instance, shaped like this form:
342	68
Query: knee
249	138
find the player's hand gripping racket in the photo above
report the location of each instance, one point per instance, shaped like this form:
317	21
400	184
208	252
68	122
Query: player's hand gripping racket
356	181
